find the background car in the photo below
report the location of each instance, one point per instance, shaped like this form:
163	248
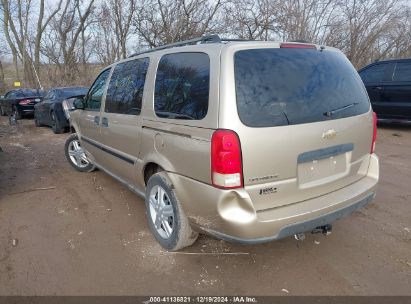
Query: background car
50	111
388	84
20	102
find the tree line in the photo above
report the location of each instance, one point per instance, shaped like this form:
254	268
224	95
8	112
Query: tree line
65	42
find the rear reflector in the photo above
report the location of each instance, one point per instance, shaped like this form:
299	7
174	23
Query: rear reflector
374	132
297	46
25	101
226	162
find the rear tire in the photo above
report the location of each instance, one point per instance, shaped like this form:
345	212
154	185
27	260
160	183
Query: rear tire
2	113
56	127
37	122
17	114
76	155
165	215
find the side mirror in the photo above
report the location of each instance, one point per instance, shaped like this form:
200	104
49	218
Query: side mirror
79	103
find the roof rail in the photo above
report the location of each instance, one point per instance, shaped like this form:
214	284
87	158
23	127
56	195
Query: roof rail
200	40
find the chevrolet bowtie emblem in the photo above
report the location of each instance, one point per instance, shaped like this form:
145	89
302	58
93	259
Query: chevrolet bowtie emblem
329	134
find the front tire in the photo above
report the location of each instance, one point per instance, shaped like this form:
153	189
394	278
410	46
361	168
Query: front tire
76	156
165	214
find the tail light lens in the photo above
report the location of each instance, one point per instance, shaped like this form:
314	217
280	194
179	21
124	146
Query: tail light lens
24	101
374	132
226	162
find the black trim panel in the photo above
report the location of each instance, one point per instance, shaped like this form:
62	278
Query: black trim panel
324	153
109	151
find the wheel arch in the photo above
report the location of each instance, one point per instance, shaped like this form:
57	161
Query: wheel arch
149	169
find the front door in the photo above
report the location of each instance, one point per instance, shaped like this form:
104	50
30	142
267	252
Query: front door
90	118
120	119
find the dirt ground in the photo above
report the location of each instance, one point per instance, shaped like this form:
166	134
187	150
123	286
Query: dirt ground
86	234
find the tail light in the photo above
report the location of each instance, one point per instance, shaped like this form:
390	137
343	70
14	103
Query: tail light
25	101
226	162
374	132
297	46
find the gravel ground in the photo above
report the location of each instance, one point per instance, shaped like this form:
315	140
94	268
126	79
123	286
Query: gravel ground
86	234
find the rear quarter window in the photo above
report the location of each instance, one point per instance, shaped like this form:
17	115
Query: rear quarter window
182	86
276	87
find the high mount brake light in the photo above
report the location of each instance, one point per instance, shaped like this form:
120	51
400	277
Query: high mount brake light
297	46
226	160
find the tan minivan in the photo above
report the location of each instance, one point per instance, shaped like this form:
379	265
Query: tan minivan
248	141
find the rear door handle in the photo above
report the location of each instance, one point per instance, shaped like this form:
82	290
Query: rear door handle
377	88
97	120
104	122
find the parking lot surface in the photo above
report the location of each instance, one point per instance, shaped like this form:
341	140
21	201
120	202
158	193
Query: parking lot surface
68	233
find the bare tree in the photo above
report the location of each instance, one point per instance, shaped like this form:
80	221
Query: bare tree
251	19
107	50
123	17
41	27
167	21
16	24
62	46
366	25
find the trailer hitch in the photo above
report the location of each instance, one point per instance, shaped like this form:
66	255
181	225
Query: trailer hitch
326	229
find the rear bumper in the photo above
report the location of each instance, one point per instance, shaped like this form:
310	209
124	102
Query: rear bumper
230	215
298	227
25	109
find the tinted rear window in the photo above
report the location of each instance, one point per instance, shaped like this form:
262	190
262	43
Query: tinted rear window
29	93
182	86
276	87
69	92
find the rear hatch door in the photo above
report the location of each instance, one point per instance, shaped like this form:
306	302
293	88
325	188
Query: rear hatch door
306	123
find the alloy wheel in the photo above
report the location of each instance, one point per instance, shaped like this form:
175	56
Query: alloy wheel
161	211
77	154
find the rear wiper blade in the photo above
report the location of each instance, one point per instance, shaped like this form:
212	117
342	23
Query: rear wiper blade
332	112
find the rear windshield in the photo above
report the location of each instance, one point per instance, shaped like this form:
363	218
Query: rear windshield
29	93
69	92
277	87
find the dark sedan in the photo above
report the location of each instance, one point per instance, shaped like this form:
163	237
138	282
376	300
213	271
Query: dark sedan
50	111
20	102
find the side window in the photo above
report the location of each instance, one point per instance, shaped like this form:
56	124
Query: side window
374	73
49	97
95	94
125	90
182	86
11	94
402	71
